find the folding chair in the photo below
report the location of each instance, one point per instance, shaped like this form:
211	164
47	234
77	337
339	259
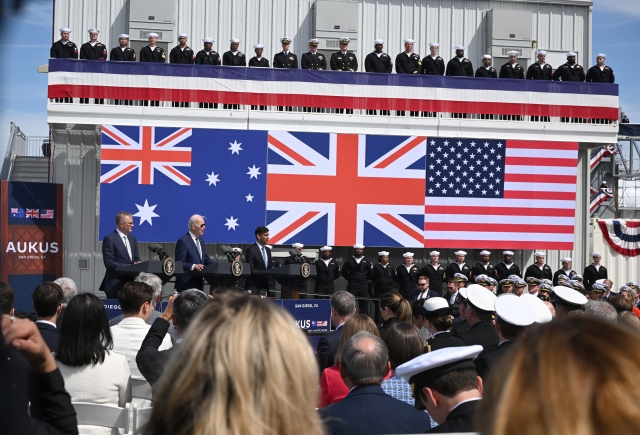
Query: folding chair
141	417
94	414
140	388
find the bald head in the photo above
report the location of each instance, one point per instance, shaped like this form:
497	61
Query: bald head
364	359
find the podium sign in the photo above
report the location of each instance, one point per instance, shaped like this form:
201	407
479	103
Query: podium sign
30	236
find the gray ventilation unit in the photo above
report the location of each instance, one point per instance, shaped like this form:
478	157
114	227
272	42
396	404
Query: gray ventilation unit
335	19
509	30
151	16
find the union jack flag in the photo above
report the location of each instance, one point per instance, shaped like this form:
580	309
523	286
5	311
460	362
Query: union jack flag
33	213
599	153
341	189
145	155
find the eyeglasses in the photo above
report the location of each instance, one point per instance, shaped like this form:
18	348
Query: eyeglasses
202	225
128	223
422	285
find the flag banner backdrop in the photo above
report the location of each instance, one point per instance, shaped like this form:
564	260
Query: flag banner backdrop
339	189
30	236
329	89
623	235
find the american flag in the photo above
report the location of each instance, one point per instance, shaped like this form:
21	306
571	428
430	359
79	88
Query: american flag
33	213
500	194
47	213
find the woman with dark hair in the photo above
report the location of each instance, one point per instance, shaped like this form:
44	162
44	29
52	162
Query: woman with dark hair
92	373
383	275
393	308
439	321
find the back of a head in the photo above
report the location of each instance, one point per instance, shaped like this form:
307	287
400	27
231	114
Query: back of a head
244	368
404	343
133	295
364	358
630	320
46	298
187	305
602	310
68	287
567	370
343	302
620	303
7	298
398	305
84	335
152	280
355	324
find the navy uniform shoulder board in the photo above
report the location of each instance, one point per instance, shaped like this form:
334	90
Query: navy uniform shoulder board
464	60
240	54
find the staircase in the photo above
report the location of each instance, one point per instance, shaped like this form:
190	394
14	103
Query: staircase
30	169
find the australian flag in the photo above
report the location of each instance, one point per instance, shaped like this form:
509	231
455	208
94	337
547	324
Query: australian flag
163	176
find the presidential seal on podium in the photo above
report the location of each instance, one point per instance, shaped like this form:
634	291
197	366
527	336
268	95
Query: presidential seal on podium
169	266
237	268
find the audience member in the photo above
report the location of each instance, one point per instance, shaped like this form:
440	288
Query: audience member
136	299
602	309
551	307
628	319
479	308
332	387
44	407
69	290
568	370
182	309
7	299
439	322
630	294
47	303
543	315
620	303
568	300
393	308
156	284
364	362
243	368
92	372
446	384
419	315
343	306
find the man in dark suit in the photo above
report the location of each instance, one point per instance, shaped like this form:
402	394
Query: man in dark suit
119	248
367	409
479	307
259	258
423	291
191	251
513	315
181	309
452	400
343	306
328	270
47	303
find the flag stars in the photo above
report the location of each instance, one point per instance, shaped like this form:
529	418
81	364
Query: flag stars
253	172
457	191
484	192
235	147
212	178
486	144
231	223
146	212
499	145
249	198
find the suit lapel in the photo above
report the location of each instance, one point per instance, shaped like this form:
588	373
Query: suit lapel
124	246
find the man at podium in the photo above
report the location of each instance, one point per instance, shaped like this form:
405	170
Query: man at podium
119	248
191	251
259	258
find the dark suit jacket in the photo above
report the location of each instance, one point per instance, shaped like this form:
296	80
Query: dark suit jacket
151	361
443	340
50	335
50	412
114	254
459	420
187	252
413	296
488	361
369	410
482	333
253	256
60	318
327	348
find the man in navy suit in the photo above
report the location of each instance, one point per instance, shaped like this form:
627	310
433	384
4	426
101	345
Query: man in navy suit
423	292
259	258
47	303
367	409
343	306
119	248
191	251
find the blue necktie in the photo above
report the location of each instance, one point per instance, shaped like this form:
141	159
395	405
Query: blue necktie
264	257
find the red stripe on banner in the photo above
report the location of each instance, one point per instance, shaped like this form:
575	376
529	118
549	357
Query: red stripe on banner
498	228
288	151
329	101
298	223
632	224
401	152
500	211
177	174
524	194
540	178
402	226
500	244
119	174
174	136
540	161
542	145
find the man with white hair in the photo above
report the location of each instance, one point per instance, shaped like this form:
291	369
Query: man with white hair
191	251
484	266
600	73
539	269
594	271
434	271
507	267
69	290
565	270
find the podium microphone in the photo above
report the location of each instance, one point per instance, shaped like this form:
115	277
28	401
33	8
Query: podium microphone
227	251
295	254
155	248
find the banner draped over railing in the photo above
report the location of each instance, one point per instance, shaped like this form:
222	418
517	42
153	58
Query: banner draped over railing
623	235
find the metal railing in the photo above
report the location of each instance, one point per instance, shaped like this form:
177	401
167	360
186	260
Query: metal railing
21	145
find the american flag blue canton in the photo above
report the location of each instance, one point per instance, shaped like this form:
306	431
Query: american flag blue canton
465	168
165	175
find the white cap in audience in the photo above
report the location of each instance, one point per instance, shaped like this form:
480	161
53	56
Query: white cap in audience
434	44
297	245
514	310
507	252
463	292
437	307
358	246
485	252
65	29
407	254
325	248
480	298
569	295
543	315
460	253
382	253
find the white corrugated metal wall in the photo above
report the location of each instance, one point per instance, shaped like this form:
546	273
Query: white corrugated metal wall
556	26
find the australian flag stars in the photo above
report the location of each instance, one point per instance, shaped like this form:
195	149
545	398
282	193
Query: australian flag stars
465	168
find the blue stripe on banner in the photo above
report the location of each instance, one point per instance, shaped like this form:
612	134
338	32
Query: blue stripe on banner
332	77
629	238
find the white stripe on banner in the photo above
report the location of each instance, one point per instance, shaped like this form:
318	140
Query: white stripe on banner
495	219
521	237
547	154
489	202
539	187
540	170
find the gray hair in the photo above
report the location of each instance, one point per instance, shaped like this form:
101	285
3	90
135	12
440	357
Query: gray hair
153	281
602	310
343	302
186	306
121	215
365	365
68	287
193	219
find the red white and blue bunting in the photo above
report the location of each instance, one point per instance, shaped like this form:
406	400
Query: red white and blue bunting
599	153
622	235
599	197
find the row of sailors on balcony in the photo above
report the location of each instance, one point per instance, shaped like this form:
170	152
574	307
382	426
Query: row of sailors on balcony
407	62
